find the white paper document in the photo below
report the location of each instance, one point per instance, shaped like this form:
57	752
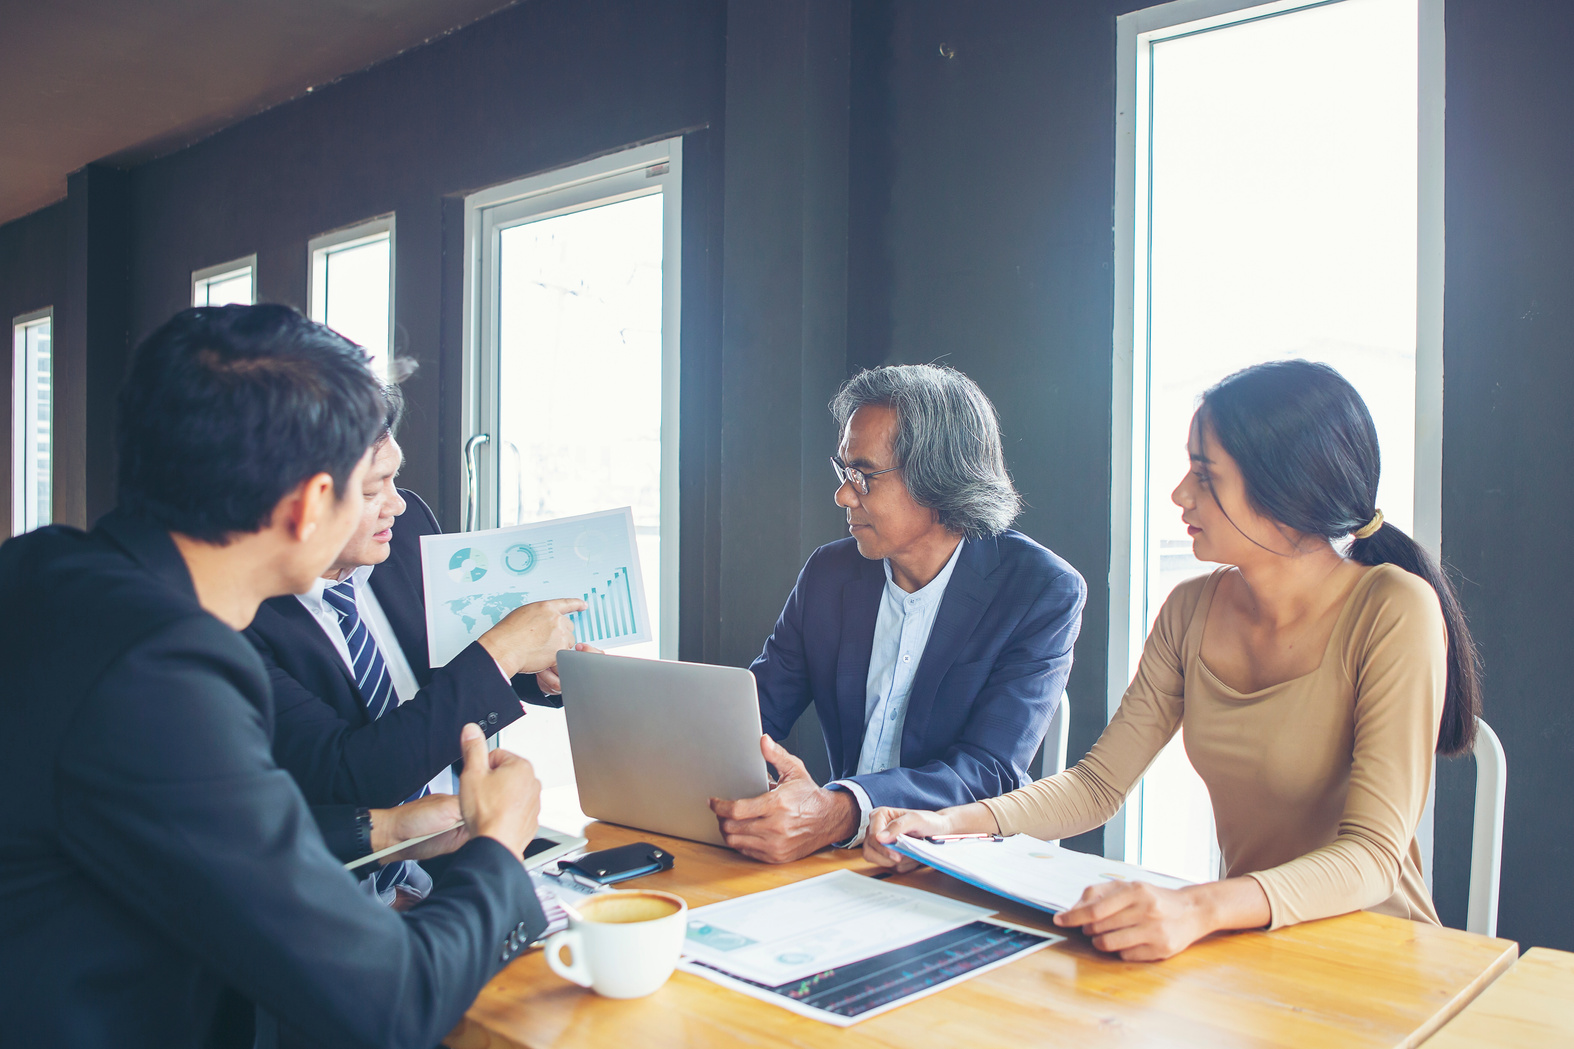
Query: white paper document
1028	870
474	579
785	934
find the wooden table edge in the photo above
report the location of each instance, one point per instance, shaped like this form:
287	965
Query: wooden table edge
1467	994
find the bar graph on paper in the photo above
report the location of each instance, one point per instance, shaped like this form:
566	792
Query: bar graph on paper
474	580
610	613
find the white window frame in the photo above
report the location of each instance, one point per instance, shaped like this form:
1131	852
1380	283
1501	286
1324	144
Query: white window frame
24	431
1135	35
319	248
225	271
618	176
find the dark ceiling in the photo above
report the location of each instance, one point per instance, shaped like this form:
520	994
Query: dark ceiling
128	80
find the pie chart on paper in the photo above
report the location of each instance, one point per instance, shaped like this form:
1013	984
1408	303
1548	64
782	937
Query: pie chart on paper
467	565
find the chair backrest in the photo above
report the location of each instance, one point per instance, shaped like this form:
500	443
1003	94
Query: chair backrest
1486	844
1056	739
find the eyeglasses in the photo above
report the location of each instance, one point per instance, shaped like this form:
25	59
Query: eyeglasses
859	479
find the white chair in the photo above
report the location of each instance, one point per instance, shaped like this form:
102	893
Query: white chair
1056	739
1486	839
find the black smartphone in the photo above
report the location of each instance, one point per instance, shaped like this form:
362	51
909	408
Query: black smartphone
621	863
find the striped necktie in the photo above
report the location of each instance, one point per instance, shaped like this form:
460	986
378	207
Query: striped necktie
377	691
371	673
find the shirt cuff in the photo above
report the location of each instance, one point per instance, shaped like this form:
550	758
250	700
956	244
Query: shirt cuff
864	807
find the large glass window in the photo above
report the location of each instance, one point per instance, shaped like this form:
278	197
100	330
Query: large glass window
572	373
1274	201
226	284
352	286
32	421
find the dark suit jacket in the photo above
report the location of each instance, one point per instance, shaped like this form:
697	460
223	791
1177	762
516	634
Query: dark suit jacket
151	848
323	735
987	684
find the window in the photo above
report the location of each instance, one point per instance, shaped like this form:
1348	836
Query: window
352	286
32	421
226	284
571	361
1278	194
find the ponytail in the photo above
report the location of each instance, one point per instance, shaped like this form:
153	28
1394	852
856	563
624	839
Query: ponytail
1307	450
1462	695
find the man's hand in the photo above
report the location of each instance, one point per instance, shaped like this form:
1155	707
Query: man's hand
499	794
414	819
796	817
528	638
548	681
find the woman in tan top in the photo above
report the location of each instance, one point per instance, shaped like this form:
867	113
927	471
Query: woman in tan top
1313	686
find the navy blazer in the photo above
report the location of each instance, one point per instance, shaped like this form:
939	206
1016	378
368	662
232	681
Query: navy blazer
152	850
989	680
323	735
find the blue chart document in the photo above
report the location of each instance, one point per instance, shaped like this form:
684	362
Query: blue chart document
474	579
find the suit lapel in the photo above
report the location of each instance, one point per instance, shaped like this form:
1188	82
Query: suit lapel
971	590
311	632
404	606
860	609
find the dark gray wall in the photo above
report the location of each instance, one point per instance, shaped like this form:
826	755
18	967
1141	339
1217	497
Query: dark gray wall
1508	435
32	277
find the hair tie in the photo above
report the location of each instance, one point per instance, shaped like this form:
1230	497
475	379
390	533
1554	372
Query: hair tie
1370	528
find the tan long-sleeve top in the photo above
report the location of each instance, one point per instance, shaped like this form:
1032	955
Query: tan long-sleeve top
1317	783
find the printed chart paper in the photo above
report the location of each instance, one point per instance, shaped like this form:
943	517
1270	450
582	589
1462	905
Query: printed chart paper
1028	870
797	930
848	993
474	579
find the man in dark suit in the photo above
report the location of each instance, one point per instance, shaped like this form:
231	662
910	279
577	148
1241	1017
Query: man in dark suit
361	717
155	850
934	643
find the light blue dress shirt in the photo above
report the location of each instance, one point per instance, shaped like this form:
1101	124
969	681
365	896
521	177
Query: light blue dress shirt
901	630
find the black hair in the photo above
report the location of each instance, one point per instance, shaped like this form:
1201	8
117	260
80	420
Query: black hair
1307	450
227	408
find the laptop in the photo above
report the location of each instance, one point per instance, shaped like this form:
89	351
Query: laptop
653	740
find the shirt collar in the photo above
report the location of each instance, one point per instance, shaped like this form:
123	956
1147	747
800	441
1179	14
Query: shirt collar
312	598
931	591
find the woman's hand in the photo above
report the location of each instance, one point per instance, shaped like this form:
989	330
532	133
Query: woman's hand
1145	923
887	824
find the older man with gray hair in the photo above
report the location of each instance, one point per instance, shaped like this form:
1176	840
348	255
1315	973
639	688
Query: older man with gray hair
934	642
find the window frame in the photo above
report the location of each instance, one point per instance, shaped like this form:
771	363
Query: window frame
1135	34
624	175
343	239
225	271
24	452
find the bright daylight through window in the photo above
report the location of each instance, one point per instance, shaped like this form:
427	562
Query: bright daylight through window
352	287
1276	201
32	422
226	285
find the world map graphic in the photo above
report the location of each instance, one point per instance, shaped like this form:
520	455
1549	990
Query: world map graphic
471	609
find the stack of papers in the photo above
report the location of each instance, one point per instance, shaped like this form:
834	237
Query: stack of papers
1021	868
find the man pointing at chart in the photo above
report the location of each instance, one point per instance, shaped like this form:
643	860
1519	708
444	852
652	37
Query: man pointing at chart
363	720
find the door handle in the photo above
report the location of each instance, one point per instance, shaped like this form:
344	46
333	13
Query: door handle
519	481
473	503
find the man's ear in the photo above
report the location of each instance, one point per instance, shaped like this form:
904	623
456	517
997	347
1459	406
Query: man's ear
305	507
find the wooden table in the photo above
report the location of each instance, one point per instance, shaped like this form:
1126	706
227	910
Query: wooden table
1531	1007
1358	980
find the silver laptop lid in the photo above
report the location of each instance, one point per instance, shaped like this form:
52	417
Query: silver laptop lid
653	741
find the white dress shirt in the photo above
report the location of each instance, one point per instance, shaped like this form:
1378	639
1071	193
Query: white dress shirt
901	632
404	684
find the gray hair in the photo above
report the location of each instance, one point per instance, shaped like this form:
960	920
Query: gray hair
947	443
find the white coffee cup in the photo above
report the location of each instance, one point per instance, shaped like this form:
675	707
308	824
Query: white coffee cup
625	944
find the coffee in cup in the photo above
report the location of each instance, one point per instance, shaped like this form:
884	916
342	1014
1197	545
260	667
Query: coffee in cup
624	944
